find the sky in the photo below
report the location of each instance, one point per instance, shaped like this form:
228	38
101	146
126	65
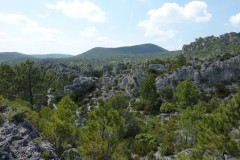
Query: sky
75	26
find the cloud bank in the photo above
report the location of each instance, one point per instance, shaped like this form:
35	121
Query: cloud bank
80	9
195	11
235	20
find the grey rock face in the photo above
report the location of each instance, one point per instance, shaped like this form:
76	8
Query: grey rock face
106	70
89	68
119	68
158	67
132	82
128	82
210	73
16	142
62	69
82	85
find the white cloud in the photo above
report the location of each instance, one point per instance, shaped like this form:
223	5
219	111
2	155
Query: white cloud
80	9
28	24
42	15
88	32
235	20
180	41
2	34
37	28
16	18
195	11
154	30
103	39
108	42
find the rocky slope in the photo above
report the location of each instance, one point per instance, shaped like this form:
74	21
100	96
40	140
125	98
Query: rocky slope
19	140
128	80
212	46
205	74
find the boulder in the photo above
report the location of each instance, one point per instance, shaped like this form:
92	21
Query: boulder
82	85
16	142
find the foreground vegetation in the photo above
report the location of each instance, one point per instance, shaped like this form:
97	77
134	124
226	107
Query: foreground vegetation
168	123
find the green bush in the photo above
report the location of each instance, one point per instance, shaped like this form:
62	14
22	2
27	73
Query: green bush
221	91
174	67
94	73
198	67
144	143
3	101
37	140
100	81
167	108
138	106
17	113
167	150
167	93
225	56
45	155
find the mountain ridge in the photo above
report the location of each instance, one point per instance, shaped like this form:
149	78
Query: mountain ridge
147	48
51	55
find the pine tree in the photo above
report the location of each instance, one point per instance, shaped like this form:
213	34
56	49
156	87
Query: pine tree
26	77
214	132
149	95
186	94
148	89
103	133
6	81
189	120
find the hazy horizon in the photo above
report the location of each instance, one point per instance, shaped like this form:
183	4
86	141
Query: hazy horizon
75	26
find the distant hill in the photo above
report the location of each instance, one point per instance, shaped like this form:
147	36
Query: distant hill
100	52
51	56
96	56
14	57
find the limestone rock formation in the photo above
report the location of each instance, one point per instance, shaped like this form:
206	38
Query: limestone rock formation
209	73
17	142
106	70
119	68
82	85
128	82
62	70
224	40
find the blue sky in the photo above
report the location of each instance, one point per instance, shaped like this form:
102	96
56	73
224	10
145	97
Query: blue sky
74	26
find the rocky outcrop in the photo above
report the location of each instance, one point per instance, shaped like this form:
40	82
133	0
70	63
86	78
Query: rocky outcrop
128	82
62	70
119	68
106	70
158	67
17	142
82	85
204	43
88	68
132	82
206	74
